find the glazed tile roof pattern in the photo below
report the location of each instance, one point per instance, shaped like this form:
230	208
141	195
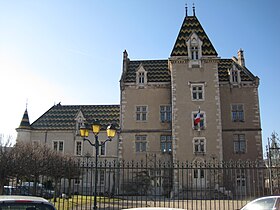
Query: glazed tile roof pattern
189	26
226	64
25	124
157	70
61	117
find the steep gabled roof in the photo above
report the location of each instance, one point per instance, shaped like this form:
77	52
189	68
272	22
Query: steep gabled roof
61	117
157	70
225	64
189	26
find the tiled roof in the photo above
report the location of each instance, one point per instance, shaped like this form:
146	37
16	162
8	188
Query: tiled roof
61	117
157	70
25	124
226	64
189	26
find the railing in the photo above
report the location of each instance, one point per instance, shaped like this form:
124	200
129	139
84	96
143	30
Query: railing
197	185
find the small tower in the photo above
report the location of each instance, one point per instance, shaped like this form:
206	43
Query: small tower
24	129
25	124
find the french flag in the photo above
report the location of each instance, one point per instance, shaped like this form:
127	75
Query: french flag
197	118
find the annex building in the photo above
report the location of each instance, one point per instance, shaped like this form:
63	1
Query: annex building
192	106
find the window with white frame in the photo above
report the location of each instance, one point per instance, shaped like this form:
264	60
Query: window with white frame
239	143
234	75
194	52
199	145
78	148
194	46
237	112
102	149
165	113
198	173
141	77
199	120
241	179
141	113
166	143
140	143
58	145
197	92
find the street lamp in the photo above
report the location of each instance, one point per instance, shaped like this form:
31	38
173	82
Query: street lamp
84	132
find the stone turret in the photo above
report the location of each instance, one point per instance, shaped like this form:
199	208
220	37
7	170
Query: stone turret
24	129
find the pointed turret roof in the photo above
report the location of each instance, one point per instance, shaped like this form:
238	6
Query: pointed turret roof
192	25
25	124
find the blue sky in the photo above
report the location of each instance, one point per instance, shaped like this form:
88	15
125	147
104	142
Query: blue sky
70	51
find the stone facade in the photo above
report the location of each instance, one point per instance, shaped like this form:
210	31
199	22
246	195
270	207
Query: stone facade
223	91
160	102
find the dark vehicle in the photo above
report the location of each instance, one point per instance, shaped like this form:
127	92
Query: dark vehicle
263	203
14	202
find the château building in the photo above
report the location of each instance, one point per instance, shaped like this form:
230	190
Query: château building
192	106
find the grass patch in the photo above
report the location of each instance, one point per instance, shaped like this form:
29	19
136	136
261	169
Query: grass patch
79	200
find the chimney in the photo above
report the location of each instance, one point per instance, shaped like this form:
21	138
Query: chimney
125	60
241	59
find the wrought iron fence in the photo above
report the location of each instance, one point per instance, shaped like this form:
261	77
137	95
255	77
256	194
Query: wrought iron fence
190	185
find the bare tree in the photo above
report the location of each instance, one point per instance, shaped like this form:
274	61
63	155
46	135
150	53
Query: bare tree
71	171
6	168
274	148
273	156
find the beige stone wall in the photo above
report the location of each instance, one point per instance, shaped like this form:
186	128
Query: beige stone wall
152	96
69	137
248	96
183	107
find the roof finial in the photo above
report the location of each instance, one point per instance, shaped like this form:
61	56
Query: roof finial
193	9
186	7
26	104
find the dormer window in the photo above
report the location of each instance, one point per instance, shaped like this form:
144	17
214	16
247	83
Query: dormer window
141	75
194	52
80	122
234	75
194	45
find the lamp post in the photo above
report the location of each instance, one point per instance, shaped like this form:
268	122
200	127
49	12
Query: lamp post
84	132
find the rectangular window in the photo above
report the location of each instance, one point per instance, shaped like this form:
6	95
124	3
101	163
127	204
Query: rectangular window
194	52
237	113
102	149
78	148
198	173
165	113
140	143
166	143
141	113
199	120
239	143
58	146
77	181
141	77
197	92
234	76
199	145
